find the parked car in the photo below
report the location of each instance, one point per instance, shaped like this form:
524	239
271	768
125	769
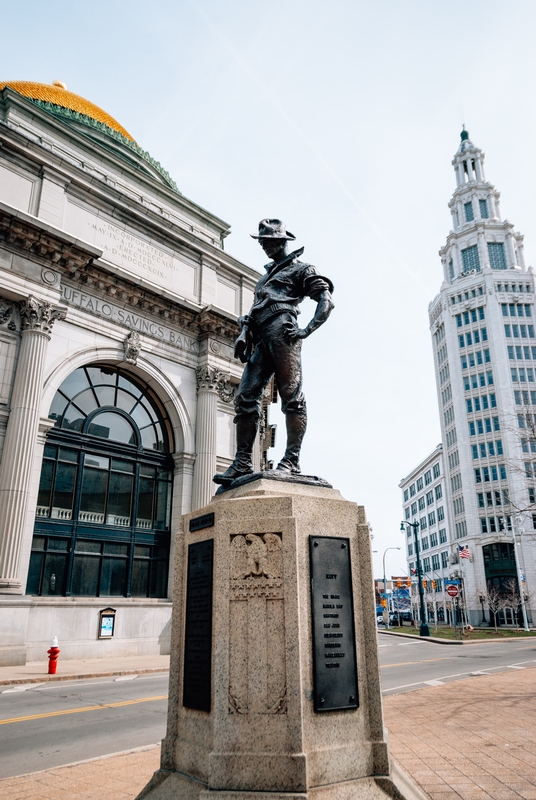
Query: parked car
379	619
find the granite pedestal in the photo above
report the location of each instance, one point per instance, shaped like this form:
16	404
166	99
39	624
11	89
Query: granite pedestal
256	672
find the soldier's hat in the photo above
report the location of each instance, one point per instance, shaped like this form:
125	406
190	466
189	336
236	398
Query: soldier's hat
272	229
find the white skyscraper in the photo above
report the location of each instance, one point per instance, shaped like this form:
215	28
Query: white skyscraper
483	332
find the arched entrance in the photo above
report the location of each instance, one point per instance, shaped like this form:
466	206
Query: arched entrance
103	513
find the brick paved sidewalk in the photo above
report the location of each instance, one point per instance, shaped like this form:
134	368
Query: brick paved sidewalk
473	739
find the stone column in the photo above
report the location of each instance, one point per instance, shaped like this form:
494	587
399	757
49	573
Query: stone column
211	383
37	319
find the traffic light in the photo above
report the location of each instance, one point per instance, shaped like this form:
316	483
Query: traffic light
408	583
399	583
434	585
384	603
425	583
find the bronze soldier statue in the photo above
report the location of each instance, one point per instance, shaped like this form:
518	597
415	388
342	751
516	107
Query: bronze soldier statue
270	344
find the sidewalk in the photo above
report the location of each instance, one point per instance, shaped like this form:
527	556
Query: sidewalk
36	671
473	739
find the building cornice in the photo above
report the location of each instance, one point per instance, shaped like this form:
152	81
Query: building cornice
78	265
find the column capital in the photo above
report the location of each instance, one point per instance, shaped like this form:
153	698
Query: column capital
39	315
212	379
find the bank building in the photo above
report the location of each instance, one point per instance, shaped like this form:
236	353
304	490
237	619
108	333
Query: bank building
118	308
475	494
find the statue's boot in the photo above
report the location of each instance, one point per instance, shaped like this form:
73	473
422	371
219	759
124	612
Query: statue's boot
296	426
246	430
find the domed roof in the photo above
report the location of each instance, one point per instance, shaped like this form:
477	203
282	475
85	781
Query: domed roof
58	95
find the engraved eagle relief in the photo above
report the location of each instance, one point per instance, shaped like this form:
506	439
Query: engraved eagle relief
256	556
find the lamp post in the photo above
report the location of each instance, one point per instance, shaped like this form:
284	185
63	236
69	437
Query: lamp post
384	581
424	630
482	598
518	572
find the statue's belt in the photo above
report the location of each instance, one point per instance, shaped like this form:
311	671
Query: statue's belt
275	308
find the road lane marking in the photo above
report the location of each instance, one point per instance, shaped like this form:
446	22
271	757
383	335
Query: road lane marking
513	666
22	687
82	710
406	663
434	683
126	678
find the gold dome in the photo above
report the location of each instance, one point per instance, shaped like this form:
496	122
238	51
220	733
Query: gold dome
57	94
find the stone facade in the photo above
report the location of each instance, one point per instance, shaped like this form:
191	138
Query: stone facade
103	262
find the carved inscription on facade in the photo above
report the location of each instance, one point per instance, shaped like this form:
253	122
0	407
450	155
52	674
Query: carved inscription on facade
334	653
257	670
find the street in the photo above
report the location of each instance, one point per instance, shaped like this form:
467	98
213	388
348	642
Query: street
407	664
51	724
64	726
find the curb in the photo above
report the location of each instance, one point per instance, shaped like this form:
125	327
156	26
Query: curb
81	676
437	640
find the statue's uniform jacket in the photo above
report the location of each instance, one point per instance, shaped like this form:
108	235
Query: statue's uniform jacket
274	312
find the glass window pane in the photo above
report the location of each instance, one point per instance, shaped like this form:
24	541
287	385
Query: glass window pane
149	409
105	395
45	486
108	425
68	455
119	499
106	375
140	578
115	549
85	575
34	573
141	417
162	506
147	471
141	550
130	386
145	503
58	544
38	543
125	401
54	572
74	383
158	586
85	546
113	577
58	406
86	401
93	496
164	474
73	419
148	438
62	504
96	461
122	466
50	451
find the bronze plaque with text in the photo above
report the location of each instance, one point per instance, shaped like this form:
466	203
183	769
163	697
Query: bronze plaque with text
334	652
198	634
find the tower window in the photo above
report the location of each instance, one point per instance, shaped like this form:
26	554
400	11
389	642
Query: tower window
469	215
470	259
497	259
451	276
483	209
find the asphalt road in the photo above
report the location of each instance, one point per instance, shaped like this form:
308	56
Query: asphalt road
51	724
407	664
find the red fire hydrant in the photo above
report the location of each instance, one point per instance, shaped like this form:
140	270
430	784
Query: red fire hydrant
53	654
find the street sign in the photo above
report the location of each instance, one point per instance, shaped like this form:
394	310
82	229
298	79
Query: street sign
452	591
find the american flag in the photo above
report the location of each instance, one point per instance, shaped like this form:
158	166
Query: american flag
464	551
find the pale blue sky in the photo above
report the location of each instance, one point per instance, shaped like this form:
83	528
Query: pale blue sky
341	119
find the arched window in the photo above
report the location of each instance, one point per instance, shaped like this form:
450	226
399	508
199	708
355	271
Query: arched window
103	511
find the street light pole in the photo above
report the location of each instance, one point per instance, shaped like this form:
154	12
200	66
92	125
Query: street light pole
424	630
384	581
519	581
